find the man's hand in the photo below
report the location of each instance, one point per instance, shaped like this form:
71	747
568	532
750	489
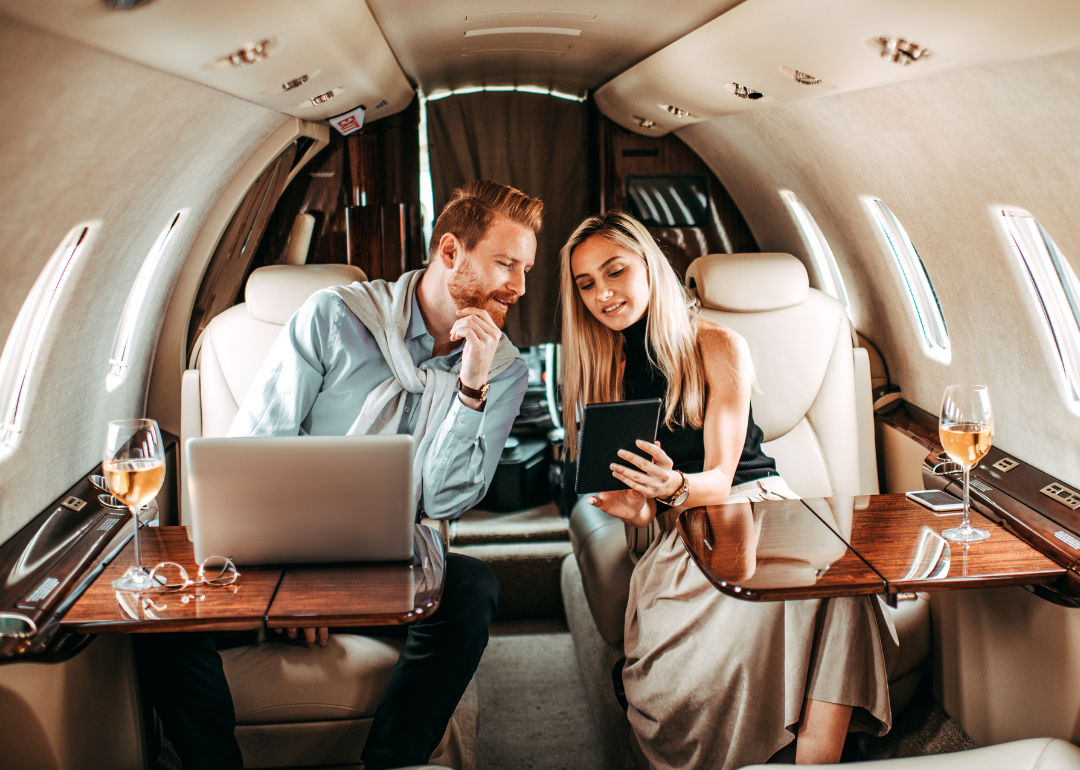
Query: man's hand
309	635
628	505
481	337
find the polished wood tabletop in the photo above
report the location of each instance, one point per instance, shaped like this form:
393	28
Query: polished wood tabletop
103	609
272	596
775	550
848	546
362	594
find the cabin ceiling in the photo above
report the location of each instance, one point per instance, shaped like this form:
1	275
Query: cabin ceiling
336	44
564	45
830	40
657	66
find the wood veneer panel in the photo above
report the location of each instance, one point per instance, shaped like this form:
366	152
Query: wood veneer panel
345	595
915	423
774	550
901	540
237	607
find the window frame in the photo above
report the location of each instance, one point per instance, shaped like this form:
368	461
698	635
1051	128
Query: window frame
1055	286
18	361
128	326
821	254
929	315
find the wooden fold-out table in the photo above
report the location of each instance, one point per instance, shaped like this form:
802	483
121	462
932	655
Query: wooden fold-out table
339	595
775	550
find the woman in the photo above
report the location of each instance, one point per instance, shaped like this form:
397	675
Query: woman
712	681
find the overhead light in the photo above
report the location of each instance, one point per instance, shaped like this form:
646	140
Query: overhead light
801	78
322	98
743	92
523	31
677	112
644	122
899	51
251	52
295	83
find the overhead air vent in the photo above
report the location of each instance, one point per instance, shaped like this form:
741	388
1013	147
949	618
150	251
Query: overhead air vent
801	78
743	92
677	111
644	122
251	52
125	5
899	51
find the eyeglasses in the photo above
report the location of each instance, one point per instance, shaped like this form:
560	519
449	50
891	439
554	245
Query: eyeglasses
215	571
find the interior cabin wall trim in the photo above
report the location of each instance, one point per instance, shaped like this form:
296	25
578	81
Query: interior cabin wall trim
956	152
163	402
119	143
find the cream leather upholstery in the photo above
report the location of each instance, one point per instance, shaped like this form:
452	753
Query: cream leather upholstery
1031	754
294	706
800	340
805	402
236	342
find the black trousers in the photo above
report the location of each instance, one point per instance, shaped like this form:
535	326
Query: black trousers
182	676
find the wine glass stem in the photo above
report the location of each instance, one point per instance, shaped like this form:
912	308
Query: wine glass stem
965	524
135	516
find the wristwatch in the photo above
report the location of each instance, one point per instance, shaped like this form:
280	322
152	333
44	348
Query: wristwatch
680	494
479	394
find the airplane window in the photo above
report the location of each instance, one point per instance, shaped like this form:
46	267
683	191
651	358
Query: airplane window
1055	285
935	334
129	319
824	260
24	341
668	201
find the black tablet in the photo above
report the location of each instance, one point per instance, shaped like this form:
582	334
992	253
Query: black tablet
607	428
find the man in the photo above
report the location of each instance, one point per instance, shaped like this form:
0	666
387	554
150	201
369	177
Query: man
425	356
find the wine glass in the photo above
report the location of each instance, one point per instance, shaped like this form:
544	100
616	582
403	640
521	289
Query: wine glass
966	428
134	468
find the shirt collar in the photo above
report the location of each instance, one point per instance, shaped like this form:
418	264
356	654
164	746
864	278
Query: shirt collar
417	327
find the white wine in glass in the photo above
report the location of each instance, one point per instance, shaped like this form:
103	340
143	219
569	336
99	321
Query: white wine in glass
134	468
966	428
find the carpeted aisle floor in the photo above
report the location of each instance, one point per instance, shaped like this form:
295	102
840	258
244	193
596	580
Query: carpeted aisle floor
533	714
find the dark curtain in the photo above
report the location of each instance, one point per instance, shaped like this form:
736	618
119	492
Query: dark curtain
535	143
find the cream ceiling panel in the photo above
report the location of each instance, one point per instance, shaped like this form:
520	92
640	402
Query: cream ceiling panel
830	40
564	45
335	43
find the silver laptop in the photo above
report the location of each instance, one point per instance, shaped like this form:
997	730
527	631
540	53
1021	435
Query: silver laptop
302	500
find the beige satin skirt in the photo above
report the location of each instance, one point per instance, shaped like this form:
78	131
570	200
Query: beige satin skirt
717	682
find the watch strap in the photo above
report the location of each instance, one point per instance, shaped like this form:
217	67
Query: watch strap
680	494
480	394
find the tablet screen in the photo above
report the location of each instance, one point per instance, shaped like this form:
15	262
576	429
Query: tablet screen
607	428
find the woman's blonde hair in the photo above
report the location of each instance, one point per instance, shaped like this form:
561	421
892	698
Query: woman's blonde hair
590	350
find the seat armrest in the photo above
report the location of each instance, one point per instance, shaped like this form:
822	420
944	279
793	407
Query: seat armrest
190	427
864	412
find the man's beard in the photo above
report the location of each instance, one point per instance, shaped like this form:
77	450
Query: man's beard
465	290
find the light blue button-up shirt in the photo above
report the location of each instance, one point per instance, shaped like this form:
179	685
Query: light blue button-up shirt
322	368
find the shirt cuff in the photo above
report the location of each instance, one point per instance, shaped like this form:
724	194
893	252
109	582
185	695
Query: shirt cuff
465	422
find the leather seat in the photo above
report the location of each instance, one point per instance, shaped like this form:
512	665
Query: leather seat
294	706
806	401
1031	754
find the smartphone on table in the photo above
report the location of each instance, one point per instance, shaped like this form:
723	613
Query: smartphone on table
936	500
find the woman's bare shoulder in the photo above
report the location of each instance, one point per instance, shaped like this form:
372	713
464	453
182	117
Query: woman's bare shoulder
719	343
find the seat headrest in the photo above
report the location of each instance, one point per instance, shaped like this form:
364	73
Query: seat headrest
748	283
275	292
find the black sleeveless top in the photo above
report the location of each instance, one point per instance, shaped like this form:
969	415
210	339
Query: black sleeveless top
685	446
